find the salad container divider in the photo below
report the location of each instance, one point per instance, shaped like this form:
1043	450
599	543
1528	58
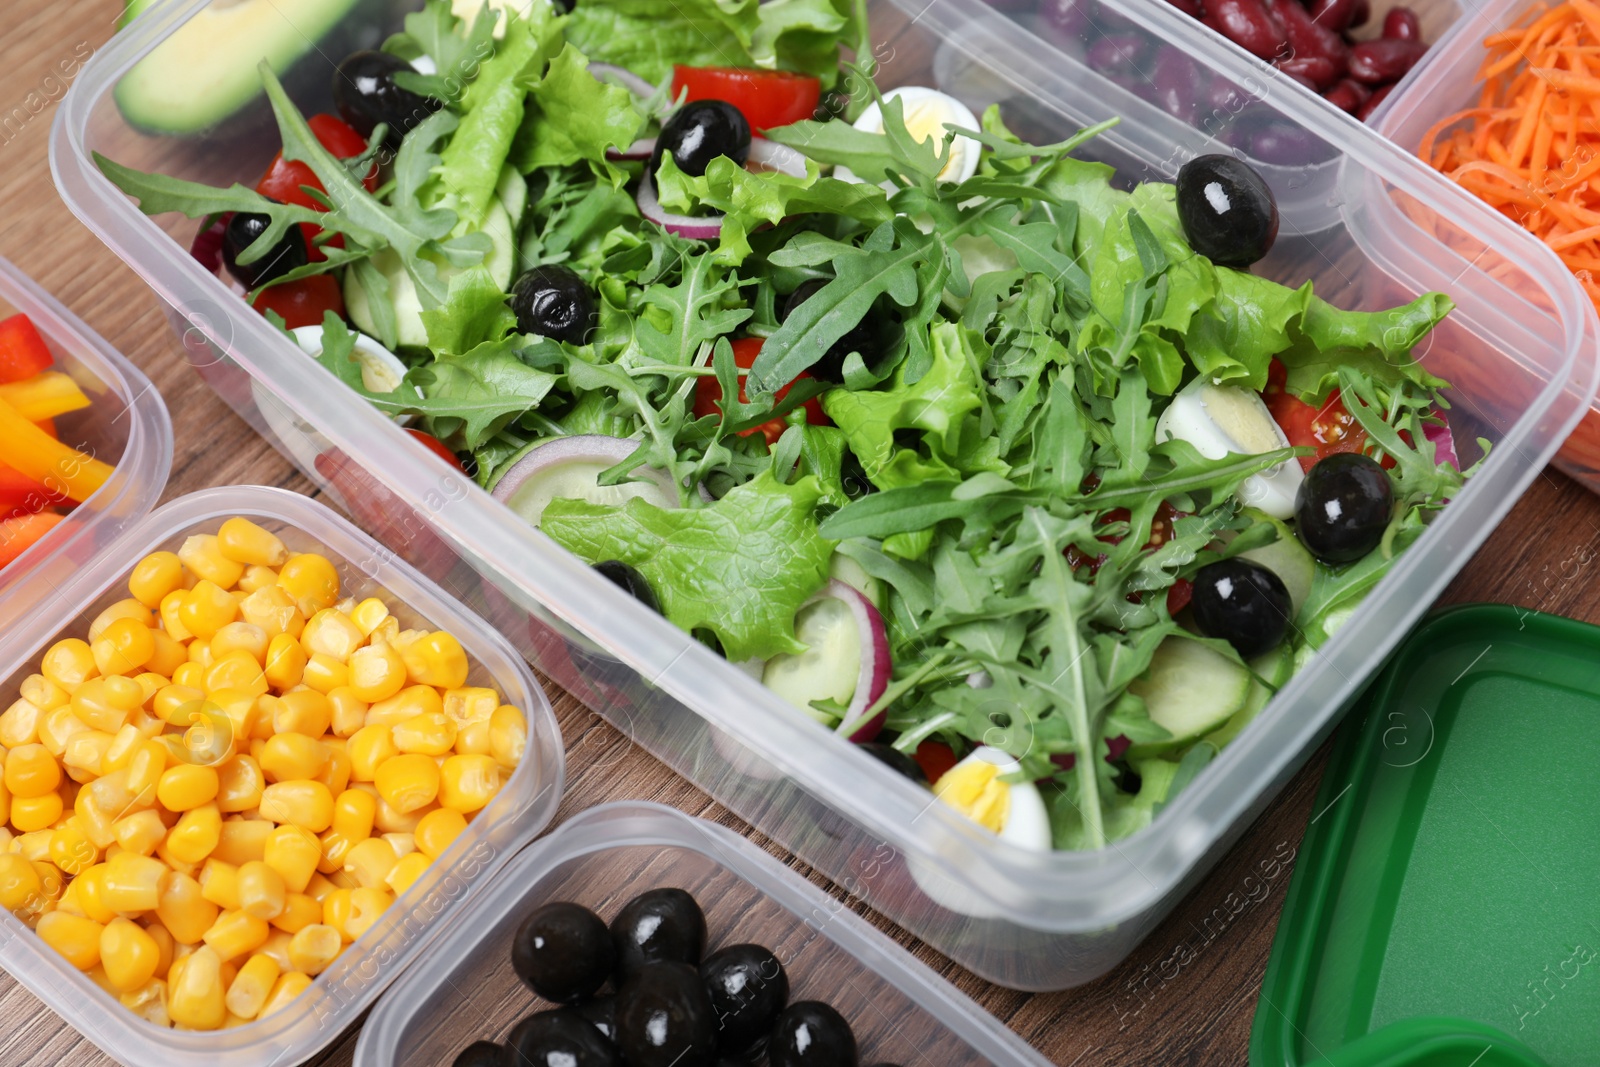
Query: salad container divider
1053	920
448	891
126	425
463	989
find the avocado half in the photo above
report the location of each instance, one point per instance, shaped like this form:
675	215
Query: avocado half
207	70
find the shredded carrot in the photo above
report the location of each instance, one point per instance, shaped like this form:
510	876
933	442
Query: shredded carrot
1531	146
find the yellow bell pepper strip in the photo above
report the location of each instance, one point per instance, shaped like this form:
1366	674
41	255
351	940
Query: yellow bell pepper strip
28	449
44	396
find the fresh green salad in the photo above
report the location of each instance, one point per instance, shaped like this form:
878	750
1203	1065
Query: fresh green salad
1005	470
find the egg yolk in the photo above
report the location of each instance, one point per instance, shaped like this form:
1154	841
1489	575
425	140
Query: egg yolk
975	789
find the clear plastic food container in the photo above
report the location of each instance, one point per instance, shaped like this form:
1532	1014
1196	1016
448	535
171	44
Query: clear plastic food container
464	990
126	425
1521	348
445	894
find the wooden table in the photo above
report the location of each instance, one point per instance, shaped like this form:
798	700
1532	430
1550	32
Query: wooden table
1538	558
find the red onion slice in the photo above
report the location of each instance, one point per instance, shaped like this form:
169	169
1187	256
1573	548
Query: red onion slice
1444	443
708	228
596	452
640	149
610	72
777	157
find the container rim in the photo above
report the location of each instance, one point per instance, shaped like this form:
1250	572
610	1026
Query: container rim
452	886
1058	892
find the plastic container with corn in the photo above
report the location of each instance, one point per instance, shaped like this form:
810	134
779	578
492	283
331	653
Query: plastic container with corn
233	774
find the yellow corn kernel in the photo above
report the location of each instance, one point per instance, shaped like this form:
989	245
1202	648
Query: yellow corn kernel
302	711
252	986
387	630
29	814
21	888
335	773
165	945
274	610
50	876
299	911
167	655
287	757
369	615
33	846
241	637
172	615
129	883
164	854
411	781
237	670
437	659
312	580
319	887
174	699
293	852
438	830
404	874
235	934
338	907
431	734
70	848
149	1002
473	740
206	609
369	749
307	804
391	821
77	939
124	744
122	609
262	891
325	673
353	813
285	662
332	633
335	850
245	542
154	577
145	768
190	675
186	787
124	647
138	833
410	702
196	834
314	948
68	663
289	986
367	906
467	783
128	954
240	782
19	724
84	755
219	883
470	704
30	771
106	703
255	578
347	712
243	840
196	996
202	554
376	672
57	728
370	862
42	693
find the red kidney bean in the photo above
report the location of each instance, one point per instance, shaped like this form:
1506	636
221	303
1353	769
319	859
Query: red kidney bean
1189	7
1248	24
1309	39
1118	53
1174	80
1315	72
1376	62
1333	15
1401	24
1348	95
1373	101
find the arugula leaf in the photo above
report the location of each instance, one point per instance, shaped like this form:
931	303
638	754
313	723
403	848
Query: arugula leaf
455	46
740	567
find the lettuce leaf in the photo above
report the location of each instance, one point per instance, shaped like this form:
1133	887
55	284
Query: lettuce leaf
573	118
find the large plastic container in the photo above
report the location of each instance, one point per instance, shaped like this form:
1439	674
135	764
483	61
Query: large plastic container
1522	347
125	425
464	990
445	894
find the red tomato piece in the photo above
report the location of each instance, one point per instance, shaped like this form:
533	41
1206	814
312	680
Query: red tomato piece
767	98
1329	428
23	352
303	303
935	758
437	447
1161	531
708	394
284	181
1179	593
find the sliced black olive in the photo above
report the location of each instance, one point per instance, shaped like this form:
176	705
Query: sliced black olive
895	759
560	1038
811	1034
658	925
1227	210
366	94
864	337
748	988
554	302
480	1054
699	132
563	951
665	1019
241	232
602	1012
1343	506
630	581
1244	604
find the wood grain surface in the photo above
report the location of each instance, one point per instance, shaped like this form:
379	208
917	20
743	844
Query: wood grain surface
1539	557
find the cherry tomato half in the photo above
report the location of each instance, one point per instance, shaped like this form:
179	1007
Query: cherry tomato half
935	758
708	394
303	303
284	180
438	448
767	98
1329	428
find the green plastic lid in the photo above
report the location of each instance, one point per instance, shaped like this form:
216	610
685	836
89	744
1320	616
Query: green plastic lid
1445	909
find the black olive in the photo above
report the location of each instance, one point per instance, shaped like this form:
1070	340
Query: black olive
554	302
862	338
560	1038
748	988
469	463
665	1019
602	1013
563	951
1343	507
895	760
1227	210
1244	604
811	1034
480	1054
630	581
699	132
662	924
366	94
241	232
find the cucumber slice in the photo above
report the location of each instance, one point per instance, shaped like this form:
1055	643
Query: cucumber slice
831	664
1189	691
854	575
1277	667
1287	558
